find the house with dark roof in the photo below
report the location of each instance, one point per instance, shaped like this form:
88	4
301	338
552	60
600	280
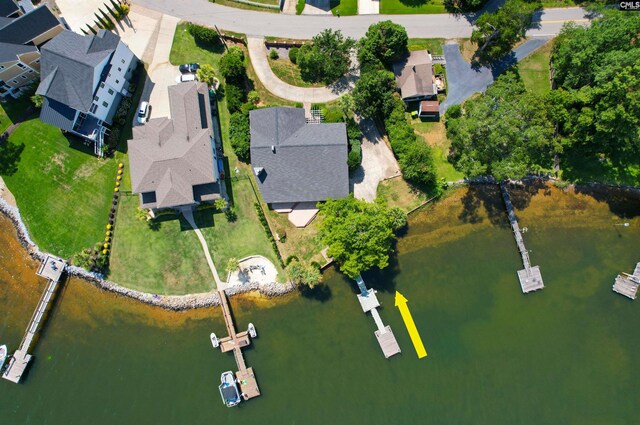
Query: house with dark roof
23	31
84	78
295	161
173	161
414	76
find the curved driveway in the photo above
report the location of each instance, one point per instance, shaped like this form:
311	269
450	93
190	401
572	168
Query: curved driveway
547	22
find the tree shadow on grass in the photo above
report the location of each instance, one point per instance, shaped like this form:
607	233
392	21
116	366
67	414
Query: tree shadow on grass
10	154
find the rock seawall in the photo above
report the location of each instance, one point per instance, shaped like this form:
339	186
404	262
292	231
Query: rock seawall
169	302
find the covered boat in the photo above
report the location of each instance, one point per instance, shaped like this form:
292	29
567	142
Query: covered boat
229	390
3	355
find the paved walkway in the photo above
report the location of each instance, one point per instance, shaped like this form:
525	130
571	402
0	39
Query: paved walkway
547	22
378	163
258	56
289	7
188	215
464	79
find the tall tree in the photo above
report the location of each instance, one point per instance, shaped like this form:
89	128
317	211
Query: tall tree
359	234
505	132
327	58
386	41
372	94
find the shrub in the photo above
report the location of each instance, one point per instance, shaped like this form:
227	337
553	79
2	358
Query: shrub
273	54
220	204
124	9
253	97
206	74
37	100
231	215
385	41
203	34
235	97
232	65
290	259
332	115
267	231
240	135
293	55
355	157
301	274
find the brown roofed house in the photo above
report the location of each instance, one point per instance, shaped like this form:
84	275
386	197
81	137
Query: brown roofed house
414	76
173	161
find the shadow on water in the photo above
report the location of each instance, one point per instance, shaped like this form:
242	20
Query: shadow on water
321	292
382	280
623	202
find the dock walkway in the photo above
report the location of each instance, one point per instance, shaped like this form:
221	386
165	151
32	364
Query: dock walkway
530	277
51	268
234	342
627	284
369	303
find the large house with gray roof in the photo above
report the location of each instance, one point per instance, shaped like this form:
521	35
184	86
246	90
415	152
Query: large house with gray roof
173	160
84	78
24	29
295	161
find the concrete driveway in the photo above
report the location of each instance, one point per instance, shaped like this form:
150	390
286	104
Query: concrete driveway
465	79
378	163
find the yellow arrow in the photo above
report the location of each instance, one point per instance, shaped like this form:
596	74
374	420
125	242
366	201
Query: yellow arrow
401	303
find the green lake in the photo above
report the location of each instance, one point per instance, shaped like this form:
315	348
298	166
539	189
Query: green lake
564	355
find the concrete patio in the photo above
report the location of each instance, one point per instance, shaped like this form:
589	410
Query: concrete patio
253	269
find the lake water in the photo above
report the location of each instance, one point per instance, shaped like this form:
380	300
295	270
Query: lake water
565	355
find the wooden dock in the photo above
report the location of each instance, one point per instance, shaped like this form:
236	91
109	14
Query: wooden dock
627	284
51	269
369	303
530	277
234	342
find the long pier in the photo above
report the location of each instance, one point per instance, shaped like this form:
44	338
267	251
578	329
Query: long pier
530	277
384	334
51	269
234	342
627	284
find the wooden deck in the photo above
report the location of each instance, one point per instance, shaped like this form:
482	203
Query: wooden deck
235	342
530	277
627	284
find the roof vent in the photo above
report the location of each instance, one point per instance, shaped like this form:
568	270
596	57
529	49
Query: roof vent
273	149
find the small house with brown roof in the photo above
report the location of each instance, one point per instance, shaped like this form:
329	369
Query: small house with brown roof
414	76
173	160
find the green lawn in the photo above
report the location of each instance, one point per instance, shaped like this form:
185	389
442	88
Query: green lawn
434	133
168	260
411	6
433	45
12	111
289	72
245	6
238	239
63	191
534	70
344	7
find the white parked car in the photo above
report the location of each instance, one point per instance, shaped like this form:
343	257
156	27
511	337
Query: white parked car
143	112
183	78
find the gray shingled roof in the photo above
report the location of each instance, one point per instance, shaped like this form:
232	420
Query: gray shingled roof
174	157
55	113
414	75
7	7
9	52
67	66
28	26
310	160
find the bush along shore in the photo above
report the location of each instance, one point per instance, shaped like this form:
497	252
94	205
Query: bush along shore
169	302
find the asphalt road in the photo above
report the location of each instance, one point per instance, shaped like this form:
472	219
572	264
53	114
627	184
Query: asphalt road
546	22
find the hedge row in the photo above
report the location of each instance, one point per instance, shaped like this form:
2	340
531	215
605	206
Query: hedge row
267	231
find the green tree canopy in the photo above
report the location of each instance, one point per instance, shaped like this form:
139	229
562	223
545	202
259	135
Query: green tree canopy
360	235
505	132
386	41
327	58
206	74
302	274
372	94
232	65
496	33
455	6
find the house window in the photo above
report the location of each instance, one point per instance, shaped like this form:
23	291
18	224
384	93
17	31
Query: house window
14	81
117	81
24	77
105	104
96	98
30	71
101	85
93	108
110	91
20	65
122	60
1	67
37	60
119	69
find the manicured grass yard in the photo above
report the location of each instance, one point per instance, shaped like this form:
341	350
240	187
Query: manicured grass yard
344	7
534	70
168	260
12	111
411	6
289	72
63	191
398	193
434	133
433	45
245	6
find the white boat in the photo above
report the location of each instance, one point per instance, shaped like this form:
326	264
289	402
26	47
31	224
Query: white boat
214	340
252	331
3	355
228	389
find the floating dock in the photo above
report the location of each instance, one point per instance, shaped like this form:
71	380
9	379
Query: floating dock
627	284
530	277
51	269
234	342
384	334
